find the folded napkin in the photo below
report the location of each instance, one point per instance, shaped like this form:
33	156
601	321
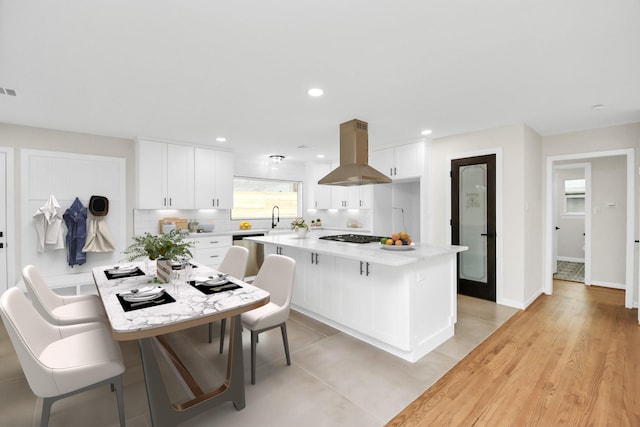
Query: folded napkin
143	292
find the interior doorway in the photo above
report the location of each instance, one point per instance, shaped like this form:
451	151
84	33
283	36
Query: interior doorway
572	222
473	224
627	203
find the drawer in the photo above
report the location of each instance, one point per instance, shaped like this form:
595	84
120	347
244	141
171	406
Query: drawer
206	242
210	256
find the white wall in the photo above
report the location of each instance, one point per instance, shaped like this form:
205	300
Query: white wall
510	143
20	137
533	215
597	140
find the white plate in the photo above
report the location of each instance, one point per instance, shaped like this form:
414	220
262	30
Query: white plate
397	248
144	297
215	282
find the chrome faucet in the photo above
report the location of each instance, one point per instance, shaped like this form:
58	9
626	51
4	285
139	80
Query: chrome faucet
274	222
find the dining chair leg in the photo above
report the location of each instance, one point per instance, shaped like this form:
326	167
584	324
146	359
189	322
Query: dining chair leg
210	332
46	410
117	382
254	341
285	340
223	329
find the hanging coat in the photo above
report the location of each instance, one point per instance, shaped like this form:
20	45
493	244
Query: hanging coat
98	237
48	222
75	219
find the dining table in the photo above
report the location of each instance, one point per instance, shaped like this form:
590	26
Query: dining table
139	307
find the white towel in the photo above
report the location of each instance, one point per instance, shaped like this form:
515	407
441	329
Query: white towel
98	237
48	222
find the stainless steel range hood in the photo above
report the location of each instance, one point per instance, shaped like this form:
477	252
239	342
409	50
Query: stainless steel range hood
354	158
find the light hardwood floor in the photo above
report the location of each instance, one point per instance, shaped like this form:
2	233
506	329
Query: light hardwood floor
572	359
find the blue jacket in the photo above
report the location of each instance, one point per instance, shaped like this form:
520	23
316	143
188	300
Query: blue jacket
75	219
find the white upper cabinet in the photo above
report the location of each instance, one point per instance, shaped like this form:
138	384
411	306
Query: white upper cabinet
318	196
401	162
164	175
214	179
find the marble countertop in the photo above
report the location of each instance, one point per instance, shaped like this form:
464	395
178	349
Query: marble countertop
370	252
190	304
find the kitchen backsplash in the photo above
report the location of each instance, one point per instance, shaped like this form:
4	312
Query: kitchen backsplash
147	220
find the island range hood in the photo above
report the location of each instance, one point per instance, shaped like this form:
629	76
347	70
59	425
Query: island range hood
354	166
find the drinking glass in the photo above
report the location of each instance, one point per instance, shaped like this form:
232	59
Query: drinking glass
175	281
188	269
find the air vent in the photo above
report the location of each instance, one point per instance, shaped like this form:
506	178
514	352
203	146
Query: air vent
5	91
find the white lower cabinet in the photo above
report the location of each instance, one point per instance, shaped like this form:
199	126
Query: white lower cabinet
210	250
373	299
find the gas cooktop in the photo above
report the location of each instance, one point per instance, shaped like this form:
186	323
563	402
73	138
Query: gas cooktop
352	238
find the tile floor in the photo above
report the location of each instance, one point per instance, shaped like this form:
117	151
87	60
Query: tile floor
334	379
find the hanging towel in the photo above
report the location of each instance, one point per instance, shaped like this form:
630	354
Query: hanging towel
98	237
75	219
48	222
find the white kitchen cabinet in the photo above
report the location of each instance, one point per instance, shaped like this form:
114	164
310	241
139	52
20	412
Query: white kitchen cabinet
400	162
214	179
318	196
298	297
319	283
362	304
210	250
164	175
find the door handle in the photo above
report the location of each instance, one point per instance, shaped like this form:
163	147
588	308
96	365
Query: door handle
557	228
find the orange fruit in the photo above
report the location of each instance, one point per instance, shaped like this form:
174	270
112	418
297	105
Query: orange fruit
395	236
398	242
403	235
389	242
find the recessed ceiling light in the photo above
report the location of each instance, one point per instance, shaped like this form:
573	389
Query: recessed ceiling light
320	156
426	132
315	92
221	139
276	158
598	107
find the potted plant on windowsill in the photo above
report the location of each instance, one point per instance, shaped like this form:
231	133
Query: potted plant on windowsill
165	249
299	226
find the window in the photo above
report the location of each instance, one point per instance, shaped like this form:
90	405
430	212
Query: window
574	190
255	198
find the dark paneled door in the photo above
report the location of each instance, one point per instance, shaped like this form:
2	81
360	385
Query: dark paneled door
473	224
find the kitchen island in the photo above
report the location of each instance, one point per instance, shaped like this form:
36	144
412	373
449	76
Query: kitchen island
402	301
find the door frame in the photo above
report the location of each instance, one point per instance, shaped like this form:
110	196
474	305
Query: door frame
500	299
630	224
10	201
586	167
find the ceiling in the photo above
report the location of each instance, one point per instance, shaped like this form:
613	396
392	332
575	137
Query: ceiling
195	70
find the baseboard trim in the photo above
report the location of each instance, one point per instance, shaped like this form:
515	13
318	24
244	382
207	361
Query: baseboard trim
570	259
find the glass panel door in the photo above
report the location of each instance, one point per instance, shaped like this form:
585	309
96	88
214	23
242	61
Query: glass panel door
473	222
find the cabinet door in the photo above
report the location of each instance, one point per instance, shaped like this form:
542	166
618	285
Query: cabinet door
353	301
180	177
205	178
409	160
319	196
151	167
224	179
320	284
298	297
383	161
389	298
366	196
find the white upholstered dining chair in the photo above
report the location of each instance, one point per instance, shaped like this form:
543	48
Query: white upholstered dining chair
59	309
275	276
234	264
61	360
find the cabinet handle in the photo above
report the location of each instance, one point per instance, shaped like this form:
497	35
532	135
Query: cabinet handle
391	171
367	269
395	172
214	242
311	257
170	204
213	256
218	202
360	203
316	259
164	202
361	268
213	202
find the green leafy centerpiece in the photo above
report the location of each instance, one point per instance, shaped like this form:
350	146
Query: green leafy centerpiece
164	249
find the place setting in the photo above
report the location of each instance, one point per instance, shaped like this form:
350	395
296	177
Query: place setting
214	284
148	296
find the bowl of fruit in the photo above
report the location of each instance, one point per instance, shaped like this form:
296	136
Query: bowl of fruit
397	242
245	225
